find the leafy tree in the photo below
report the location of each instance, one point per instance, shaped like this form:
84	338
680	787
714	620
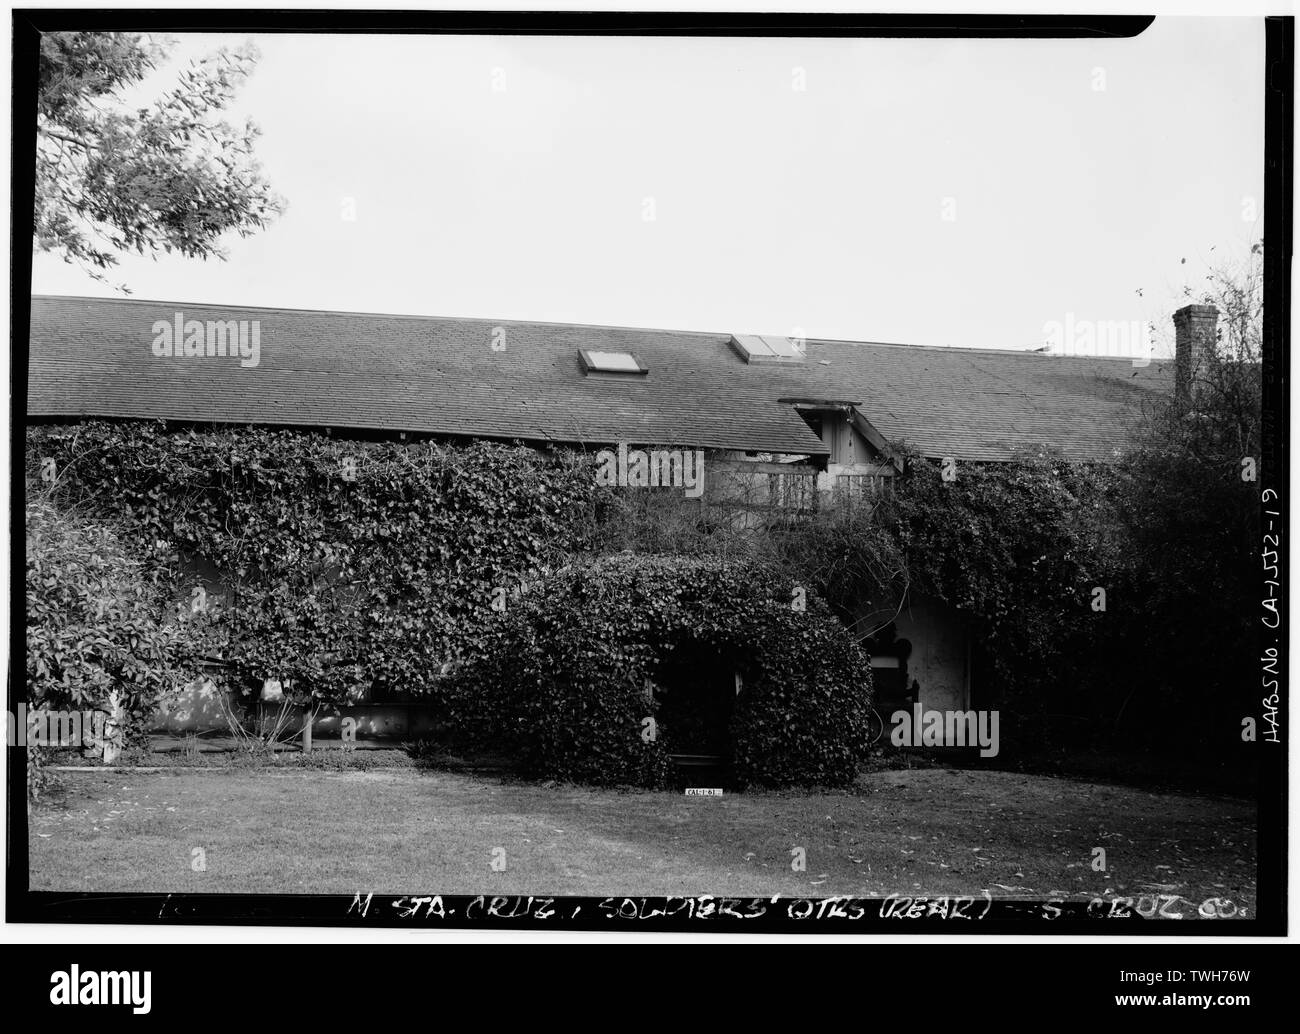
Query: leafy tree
1190	504
172	176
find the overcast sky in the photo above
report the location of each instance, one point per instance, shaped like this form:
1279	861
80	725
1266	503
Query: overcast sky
934	192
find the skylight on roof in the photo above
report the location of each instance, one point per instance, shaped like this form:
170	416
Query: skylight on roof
766	348
611	362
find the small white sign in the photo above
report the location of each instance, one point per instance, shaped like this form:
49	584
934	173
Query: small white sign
697	791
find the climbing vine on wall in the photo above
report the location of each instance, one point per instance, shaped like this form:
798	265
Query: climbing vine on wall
337	562
1018	547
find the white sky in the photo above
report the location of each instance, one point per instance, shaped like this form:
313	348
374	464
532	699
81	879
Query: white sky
775	209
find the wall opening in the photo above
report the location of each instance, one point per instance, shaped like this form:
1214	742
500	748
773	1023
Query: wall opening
695	690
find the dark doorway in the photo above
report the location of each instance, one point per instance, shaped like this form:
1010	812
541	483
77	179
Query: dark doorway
892	688
695	689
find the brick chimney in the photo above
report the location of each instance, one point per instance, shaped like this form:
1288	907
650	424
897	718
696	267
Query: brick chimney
1195	334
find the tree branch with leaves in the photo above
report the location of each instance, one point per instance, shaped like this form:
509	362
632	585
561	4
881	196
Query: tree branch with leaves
173	176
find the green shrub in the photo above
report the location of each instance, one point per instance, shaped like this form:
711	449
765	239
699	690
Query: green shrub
564	684
98	617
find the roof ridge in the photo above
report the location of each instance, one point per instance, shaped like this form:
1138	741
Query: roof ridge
963	349
385	315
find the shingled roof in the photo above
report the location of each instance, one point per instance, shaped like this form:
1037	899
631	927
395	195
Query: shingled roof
93	357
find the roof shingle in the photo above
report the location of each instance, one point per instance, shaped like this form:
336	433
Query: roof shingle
93	357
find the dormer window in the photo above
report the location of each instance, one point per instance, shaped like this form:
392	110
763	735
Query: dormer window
618	364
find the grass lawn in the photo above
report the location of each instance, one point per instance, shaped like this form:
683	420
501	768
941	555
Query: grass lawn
924	831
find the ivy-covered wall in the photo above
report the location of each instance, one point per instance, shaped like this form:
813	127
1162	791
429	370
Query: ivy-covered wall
331	564
338	565
469	576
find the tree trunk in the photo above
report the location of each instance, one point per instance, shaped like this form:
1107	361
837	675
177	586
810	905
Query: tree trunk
114	728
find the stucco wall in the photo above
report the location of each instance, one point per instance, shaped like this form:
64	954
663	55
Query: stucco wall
196	709
939	661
